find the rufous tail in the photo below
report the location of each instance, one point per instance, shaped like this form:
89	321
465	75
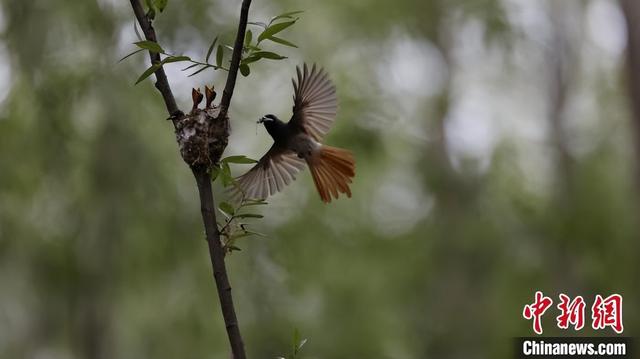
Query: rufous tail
332	170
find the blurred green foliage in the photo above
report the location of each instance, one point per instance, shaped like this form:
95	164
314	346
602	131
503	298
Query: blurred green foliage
467	198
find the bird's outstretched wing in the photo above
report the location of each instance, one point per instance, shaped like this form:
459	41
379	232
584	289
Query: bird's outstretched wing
276	169
314	102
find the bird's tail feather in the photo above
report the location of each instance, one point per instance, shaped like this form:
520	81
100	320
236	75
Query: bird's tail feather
332	169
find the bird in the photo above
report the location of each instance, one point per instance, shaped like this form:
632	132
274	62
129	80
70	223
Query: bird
299	142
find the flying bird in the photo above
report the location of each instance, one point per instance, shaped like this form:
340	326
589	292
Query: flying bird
299	142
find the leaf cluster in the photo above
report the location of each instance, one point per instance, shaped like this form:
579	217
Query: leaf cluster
235	226
252	50
153	6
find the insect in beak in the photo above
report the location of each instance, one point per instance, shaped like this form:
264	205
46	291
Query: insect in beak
261	120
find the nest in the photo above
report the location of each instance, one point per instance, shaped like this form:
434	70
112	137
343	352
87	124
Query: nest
202	136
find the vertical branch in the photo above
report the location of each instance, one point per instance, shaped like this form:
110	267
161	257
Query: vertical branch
235	60
201	173
216	253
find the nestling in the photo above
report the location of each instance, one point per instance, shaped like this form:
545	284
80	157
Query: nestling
299	142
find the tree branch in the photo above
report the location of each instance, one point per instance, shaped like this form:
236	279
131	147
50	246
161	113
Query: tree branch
216	252
201	173
235	59
162	84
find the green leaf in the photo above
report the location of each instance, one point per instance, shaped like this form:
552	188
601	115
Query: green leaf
151	6
301	344
210	50
274	29
204	67
215	171
239	159
248	37
148	72
286	15
268	55
160	4
253	48
245	234
227	208
239	235
190	67
226	216
249	215
149	45
262	55
225	175
245	70
258	23
297	344
294	342
219	55
249	59
170	59
131	54
282	41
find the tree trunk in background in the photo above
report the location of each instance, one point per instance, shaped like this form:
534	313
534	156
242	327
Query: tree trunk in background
560	55
631	9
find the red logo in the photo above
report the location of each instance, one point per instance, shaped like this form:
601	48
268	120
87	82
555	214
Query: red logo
605	312
536	309
571	312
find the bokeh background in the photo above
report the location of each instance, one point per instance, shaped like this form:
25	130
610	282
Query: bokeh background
496	155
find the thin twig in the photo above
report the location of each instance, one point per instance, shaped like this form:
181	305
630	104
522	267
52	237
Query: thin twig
235	60
201	174
162	84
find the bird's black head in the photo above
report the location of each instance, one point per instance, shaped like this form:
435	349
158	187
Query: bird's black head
271	122
269	118
274	126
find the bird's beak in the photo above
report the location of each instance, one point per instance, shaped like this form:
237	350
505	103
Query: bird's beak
261	120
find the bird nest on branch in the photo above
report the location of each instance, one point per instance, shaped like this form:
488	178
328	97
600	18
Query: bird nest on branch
202	134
